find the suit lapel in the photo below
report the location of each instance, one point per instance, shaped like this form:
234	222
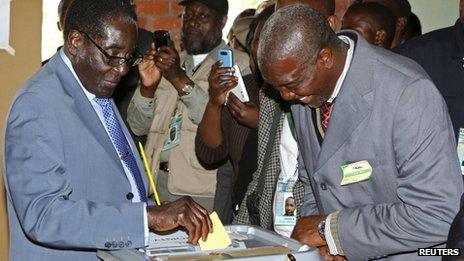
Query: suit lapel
351	105
84	109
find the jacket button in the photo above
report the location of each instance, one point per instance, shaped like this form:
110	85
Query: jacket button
323	186
114	244
121	244
129	196
107	244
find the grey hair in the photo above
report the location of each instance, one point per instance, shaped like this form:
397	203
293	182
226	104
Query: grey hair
296	30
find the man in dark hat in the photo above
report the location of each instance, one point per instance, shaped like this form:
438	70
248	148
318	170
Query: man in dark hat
176	101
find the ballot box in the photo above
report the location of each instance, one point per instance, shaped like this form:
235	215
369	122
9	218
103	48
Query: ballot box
248	243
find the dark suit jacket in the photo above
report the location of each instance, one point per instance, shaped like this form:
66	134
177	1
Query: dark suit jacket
456	235
441	54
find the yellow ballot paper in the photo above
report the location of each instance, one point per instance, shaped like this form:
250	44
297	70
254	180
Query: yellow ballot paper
356	172
219	238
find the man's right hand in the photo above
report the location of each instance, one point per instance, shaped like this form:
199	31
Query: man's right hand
221	80
183	212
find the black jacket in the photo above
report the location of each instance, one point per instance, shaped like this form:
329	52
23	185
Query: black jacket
441	54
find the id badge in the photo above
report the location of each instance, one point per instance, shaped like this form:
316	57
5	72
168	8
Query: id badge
174	132
461	149
356	172
285	206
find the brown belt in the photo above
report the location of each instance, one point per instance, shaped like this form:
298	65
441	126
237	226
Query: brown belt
164	166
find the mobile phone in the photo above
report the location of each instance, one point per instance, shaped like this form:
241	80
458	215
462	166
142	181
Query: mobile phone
161	38
240	90
226	56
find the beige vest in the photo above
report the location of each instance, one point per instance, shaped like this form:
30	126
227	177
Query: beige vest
186	174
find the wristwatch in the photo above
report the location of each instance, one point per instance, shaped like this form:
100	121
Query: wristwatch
187	89
321	229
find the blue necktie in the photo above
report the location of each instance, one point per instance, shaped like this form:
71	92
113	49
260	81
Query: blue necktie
122	146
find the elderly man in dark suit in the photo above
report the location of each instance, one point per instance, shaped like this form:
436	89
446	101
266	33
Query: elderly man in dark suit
377	153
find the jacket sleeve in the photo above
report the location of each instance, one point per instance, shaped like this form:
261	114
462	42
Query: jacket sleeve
429	183
37	183
211	156
140	113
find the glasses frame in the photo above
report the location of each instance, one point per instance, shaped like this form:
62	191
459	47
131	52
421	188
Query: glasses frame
134	60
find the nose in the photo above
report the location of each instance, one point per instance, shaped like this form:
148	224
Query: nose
194	21
122	69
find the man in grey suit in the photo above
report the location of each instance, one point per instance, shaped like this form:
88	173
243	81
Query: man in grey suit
382	179
73	177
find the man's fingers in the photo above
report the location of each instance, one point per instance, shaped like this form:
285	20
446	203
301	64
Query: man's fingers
203	217
237	103
197	228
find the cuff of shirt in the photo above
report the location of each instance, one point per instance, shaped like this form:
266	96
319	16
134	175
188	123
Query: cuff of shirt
331	235
145	224
143	102
196	103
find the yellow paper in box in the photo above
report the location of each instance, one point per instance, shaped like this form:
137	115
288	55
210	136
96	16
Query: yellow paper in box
219	238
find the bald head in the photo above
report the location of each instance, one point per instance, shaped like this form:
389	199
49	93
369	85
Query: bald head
326	7
303	38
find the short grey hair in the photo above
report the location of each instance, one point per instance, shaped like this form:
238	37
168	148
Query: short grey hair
296	30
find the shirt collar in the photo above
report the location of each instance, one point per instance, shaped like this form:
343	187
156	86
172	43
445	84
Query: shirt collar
349	58
66	60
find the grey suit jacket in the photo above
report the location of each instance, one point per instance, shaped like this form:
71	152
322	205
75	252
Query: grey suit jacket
66	186
389	113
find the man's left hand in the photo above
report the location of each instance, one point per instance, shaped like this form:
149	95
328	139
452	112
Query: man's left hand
245	113
168	61
306	231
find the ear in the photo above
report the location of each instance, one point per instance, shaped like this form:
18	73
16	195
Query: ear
380	37
223	21
74	41
286	94
333	22
401	23
326	58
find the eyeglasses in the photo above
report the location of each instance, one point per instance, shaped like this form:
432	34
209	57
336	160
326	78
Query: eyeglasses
115	61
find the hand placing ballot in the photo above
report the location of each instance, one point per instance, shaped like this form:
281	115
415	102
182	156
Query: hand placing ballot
218	238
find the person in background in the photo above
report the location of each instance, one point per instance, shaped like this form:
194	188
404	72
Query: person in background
238	31
373	21
377	153
441	54
169	108
276	175
401	10
62	8
224	129
74	180
414	28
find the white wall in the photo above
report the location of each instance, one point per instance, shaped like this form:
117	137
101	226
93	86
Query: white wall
435	14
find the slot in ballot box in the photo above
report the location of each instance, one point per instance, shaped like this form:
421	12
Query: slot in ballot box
248	243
